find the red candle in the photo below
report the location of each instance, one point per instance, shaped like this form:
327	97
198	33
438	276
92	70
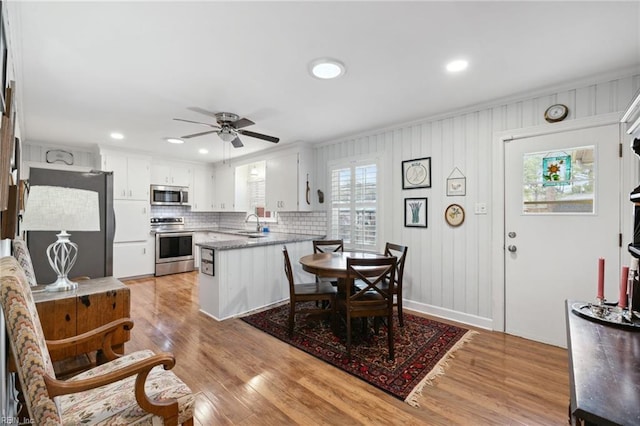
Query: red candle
601	278
622	300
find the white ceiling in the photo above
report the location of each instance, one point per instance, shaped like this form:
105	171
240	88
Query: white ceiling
86	69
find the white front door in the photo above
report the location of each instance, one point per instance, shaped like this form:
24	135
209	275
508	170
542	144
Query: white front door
562	213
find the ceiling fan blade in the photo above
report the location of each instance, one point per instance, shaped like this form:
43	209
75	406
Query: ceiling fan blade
243	122
202	111
197	122
237	143
199	134
259	136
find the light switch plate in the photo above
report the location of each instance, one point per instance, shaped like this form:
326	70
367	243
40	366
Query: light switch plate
481	208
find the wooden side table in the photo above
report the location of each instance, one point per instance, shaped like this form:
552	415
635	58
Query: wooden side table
94	303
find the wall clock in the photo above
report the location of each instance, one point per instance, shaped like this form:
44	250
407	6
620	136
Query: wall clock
454	215
555	113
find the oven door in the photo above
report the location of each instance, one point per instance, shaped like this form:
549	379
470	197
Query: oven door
174	246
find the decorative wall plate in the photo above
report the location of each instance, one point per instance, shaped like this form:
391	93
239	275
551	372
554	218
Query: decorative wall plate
454	215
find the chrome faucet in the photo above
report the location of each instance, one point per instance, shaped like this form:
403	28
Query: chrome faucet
258	226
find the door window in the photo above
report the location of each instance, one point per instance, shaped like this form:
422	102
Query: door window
560	182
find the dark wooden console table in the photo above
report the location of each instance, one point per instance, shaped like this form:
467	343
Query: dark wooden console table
604	368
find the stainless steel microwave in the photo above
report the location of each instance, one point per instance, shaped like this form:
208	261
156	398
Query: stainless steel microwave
162	195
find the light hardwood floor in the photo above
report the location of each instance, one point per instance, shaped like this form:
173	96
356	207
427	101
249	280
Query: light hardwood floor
246	377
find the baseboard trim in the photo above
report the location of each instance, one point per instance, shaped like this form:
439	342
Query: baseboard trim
448	314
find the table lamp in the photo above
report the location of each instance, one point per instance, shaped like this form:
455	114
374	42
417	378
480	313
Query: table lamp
53	208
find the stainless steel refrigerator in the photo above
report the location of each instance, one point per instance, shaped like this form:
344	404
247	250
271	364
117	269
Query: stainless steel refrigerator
95	249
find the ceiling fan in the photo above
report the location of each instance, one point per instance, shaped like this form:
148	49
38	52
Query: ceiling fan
228	127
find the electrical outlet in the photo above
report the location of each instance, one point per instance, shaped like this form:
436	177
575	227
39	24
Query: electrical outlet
481	208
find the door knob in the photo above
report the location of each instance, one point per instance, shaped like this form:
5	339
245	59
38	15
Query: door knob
511	234
512	248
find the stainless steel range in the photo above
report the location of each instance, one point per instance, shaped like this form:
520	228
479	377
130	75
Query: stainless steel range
174	245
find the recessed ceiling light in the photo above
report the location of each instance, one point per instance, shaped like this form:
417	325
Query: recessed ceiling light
203	151
326	68
116	135
457	65
174	140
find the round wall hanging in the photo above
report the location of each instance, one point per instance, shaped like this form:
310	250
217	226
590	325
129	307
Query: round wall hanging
555	113
454	215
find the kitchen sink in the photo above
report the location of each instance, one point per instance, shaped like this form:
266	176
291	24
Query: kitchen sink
251	234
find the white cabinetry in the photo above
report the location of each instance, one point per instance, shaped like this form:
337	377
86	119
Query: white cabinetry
130	176
133	249
171	174
287	177
202	190
235	289
133	259
132	220
224	188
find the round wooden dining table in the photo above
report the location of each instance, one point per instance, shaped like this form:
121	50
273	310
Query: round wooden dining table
334	264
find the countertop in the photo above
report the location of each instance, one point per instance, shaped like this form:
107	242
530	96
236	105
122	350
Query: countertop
270	238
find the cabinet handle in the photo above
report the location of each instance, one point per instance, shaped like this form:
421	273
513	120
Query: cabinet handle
144	250
130	193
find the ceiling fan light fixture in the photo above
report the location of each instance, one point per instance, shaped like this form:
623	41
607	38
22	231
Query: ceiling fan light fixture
326	68
174	140
227	134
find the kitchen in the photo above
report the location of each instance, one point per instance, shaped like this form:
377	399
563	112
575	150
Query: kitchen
409	108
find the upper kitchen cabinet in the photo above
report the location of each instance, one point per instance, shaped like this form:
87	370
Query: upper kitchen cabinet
202	199
288	181
171	174
224	192
130	175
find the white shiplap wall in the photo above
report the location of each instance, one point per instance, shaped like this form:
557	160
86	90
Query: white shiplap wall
448	271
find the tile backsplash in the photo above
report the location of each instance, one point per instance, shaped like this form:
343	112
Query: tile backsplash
313	223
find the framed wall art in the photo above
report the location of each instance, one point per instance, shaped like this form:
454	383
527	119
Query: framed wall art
415	212
454	215
416	173
456	183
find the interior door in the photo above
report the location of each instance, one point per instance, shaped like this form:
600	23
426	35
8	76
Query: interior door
562	213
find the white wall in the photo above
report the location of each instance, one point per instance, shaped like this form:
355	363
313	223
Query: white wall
448	270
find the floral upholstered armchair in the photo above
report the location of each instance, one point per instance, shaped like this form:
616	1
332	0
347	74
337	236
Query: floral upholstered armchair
129	389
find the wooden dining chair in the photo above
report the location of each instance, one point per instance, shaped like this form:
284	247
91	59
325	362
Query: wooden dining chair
328	246
369	300
400	252
308	292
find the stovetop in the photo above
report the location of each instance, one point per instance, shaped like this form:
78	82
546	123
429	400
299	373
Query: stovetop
167	224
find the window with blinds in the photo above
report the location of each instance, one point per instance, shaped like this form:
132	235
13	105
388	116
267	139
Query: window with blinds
354	204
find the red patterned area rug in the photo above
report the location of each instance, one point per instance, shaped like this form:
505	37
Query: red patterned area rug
423	348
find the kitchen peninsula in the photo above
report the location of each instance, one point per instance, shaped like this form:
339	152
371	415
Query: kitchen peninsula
247	273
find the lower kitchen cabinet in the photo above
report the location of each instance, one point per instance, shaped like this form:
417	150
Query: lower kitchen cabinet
246	279
132	259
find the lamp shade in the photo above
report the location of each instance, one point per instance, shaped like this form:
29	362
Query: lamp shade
55	208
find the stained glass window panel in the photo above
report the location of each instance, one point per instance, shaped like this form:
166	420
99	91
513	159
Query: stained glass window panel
560	182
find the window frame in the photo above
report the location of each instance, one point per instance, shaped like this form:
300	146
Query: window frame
352	163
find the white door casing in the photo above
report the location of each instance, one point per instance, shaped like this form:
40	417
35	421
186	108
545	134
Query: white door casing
530	287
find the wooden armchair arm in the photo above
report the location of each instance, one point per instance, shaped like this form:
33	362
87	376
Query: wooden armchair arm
106	331
167	409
